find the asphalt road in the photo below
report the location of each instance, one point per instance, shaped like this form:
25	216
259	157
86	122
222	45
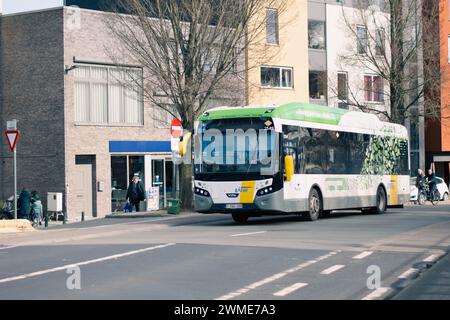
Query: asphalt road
210	257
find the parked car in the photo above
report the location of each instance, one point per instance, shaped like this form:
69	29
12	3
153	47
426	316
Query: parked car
441	186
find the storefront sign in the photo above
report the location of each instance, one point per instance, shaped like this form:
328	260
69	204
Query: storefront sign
153	199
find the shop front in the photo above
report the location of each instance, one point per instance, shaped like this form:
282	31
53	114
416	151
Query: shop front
152	161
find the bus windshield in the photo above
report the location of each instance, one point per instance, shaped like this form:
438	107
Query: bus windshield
245	146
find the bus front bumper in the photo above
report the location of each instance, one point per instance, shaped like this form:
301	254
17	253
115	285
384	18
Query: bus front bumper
271	203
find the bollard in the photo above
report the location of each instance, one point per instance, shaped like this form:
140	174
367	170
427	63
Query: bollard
46	219
82	217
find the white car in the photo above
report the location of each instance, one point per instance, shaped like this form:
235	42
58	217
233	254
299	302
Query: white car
441	185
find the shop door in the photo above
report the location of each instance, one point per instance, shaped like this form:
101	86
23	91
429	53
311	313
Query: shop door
83	189
158	180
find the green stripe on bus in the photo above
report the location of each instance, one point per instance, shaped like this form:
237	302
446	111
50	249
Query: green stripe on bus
291	111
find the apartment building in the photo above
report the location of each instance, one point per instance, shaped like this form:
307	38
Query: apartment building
340	33
278	59
438	129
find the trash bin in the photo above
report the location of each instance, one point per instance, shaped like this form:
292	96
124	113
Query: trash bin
173	206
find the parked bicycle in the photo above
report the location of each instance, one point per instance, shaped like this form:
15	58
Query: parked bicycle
35	216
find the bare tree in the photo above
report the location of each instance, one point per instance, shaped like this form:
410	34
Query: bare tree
192	51
392	38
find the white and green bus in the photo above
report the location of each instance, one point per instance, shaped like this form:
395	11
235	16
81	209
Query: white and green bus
298	159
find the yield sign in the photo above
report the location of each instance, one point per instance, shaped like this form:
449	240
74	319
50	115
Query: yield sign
12	136
176	128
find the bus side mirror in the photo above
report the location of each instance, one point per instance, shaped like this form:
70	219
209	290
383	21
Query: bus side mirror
184	143
289	167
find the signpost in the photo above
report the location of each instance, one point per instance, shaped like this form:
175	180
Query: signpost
13	135
176	131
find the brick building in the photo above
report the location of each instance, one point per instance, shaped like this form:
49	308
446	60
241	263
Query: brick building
83	133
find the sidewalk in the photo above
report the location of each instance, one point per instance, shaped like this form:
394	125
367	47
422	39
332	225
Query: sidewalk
434	284
428	203
148	214
15	226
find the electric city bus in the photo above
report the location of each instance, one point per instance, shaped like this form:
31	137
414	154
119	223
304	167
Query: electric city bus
298	159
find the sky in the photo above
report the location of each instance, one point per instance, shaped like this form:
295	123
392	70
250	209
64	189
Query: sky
15	6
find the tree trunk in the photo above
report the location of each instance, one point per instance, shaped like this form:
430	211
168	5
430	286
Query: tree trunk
186	168
186	192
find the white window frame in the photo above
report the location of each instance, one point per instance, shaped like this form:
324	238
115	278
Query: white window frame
380	32
372	100
346	86
358	40
281	69
109	81
448	48
277	27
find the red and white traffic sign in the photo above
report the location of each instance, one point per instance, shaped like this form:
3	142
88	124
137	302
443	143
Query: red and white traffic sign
12	136
176	128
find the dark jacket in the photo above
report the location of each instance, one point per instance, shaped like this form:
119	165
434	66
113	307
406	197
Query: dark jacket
431	179
136	192
419	179
24	204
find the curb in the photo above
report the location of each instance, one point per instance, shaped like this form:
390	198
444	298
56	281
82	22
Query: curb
156	214
417	271
15	226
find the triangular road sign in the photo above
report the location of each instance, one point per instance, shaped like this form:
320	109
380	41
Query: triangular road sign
12	136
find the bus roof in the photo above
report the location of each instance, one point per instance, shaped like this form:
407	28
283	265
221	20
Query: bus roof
315	114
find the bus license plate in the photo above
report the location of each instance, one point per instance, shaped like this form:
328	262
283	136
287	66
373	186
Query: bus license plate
234	206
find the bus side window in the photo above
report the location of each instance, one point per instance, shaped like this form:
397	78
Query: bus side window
291	144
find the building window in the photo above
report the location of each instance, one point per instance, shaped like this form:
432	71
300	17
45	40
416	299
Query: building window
361	33
108	95
316	34
317	85
272	26
276	77
448	46
343	86
380	40
373	89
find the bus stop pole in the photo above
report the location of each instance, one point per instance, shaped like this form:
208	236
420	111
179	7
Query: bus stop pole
174	177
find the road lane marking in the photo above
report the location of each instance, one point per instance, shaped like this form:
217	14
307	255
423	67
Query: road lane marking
363	255
431	258
408	273
289	290
248	234
274	277
10	247
376	294
84	263
332	269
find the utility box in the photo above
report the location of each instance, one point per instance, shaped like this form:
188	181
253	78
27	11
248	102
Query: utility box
54	202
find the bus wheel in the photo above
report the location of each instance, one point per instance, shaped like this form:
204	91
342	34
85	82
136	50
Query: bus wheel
381	202
315	206
239	218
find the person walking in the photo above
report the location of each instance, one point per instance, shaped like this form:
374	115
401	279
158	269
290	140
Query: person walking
36	207
24	204
431	178
135	193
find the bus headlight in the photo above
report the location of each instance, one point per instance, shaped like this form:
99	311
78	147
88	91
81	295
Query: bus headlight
202	192
265	191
